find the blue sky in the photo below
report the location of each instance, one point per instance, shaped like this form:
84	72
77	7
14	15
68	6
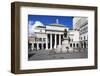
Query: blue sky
48	19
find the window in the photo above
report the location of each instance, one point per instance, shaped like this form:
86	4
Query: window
40	39
37	39
40	30
35	45
43	39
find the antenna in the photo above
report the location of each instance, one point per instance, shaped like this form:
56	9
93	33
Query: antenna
57	21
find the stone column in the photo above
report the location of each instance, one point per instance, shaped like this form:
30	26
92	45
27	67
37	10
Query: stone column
42	46
47	42
59	39
37	46
32	46
55	46
50	41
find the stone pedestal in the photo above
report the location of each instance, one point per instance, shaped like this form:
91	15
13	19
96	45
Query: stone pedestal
66	45
59	49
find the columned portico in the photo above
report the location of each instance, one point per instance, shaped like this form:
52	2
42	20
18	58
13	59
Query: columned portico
51	42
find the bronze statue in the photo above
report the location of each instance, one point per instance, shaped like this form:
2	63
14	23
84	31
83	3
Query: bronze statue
65	32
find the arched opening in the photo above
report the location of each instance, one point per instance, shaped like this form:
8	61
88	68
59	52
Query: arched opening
71	45
77	45
35	45
40	45
29	46
81	45
44	46
74	45
84	44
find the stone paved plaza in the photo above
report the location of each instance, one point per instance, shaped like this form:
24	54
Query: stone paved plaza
50	54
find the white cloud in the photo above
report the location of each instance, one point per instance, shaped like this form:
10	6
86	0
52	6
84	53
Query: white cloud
30	23
31	27
38	23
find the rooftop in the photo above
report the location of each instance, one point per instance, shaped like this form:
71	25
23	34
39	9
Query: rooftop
60	25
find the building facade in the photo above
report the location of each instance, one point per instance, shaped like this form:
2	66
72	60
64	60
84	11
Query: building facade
51	36
81	24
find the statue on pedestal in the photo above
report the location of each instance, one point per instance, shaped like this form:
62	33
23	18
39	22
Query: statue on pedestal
65	32
66	35
65	43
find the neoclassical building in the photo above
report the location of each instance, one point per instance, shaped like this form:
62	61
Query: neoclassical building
81	24
51	37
